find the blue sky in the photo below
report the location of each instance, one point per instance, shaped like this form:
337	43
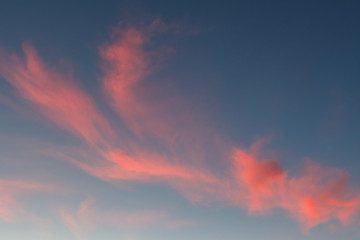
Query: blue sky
179	120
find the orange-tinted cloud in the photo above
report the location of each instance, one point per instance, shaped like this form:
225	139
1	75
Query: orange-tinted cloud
316	196
195	183
55	94
125	65
127	61
258	179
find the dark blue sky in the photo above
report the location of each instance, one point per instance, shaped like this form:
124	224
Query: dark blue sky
283	70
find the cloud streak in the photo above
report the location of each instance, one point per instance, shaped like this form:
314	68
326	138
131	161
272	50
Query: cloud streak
55	95
11	192
88	217
315	195
151	112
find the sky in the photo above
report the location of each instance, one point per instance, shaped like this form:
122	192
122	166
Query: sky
204	120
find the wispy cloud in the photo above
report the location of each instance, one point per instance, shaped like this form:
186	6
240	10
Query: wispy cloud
55	94
12	192
89	217
315	195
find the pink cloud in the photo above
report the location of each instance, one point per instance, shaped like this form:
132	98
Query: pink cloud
55	95
89	216
194	183
316	195
11	192
125	65
147	111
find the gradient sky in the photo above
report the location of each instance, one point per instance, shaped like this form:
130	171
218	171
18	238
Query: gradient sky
206	120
